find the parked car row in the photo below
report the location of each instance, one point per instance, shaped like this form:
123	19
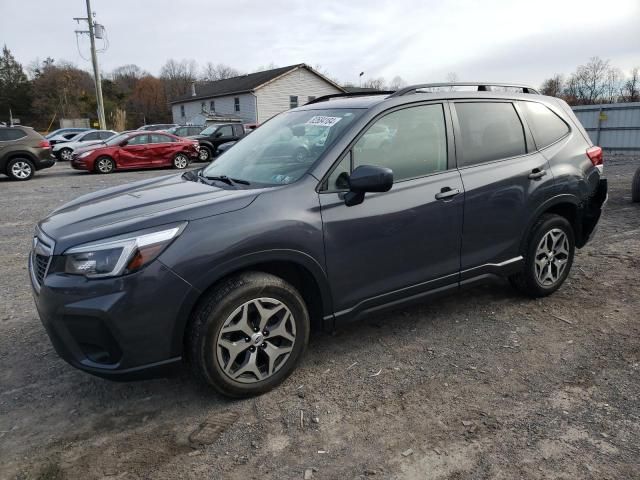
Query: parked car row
23	151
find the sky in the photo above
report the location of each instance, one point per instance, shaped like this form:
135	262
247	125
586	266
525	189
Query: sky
421	41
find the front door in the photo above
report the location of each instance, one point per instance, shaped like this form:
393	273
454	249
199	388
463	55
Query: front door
135	153
405	241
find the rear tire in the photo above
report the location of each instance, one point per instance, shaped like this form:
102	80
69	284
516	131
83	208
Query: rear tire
217	346
105	165
635	187
20	169
548	256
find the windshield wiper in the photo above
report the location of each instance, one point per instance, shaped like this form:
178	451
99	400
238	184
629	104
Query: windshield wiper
227	180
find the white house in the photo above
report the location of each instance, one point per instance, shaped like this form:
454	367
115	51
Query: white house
254	97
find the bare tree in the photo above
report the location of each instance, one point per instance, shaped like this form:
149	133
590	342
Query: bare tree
554	86
613	85
177	76
212	73
262	68
631	88
377	83
126	76
397	83
591	81
452	77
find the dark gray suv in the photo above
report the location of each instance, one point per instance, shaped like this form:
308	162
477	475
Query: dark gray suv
398	198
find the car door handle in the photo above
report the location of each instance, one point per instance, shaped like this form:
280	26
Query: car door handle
537	173
447	192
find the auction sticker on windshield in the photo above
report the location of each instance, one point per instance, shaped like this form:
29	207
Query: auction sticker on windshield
323	121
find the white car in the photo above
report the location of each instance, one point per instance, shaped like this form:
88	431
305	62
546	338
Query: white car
63	151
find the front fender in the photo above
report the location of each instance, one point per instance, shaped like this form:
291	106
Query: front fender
245	262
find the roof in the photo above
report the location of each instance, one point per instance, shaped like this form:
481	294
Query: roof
244	83
368	101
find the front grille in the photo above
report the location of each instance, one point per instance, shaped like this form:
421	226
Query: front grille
40	265
40	258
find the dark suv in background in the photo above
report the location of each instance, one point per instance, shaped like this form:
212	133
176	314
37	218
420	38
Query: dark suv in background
22	152
216	134
401	197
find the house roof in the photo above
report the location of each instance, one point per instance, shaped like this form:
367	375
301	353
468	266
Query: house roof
243	83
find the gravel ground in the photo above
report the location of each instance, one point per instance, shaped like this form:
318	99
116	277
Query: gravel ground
485	384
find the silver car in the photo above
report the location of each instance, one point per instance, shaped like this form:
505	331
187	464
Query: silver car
63	151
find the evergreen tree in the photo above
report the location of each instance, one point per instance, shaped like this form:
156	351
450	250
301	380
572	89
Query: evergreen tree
15	91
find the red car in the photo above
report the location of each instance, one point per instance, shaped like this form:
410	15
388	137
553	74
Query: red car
133	150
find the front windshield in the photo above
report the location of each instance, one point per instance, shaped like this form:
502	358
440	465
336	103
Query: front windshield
283	149
209	130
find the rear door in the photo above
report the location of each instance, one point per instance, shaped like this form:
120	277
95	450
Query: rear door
135	153
504	178
405	241
162	148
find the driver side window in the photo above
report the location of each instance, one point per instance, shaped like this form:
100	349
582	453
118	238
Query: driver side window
412	142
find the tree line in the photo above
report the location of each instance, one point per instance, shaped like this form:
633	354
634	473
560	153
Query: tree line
47	90
595	82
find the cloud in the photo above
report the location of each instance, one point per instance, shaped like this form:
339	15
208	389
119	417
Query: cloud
416	39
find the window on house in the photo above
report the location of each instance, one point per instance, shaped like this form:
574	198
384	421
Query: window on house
293	101
311	98
212	106
182	110
236	104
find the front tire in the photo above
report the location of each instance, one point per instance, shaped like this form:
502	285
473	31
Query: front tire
548	257
248	335
20	169
65	154
105	165
204	154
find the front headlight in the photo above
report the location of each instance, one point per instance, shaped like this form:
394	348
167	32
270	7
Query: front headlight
119	255
85	154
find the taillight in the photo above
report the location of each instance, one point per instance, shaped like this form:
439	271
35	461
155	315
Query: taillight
595	155
44	144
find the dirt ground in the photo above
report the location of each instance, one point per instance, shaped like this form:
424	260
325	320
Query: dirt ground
485	384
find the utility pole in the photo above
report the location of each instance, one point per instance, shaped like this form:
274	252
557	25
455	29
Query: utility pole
94	60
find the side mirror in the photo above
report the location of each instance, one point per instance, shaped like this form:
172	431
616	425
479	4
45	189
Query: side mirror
217	135
124	143
367	178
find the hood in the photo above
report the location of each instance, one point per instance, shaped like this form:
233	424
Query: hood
197	137
139	205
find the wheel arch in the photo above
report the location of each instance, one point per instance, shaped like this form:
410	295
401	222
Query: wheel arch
17	154
567	206
297	268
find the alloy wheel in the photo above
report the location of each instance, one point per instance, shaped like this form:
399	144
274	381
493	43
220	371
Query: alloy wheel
552	256
105	165
181	161
256	340
21	169
65	154
203	154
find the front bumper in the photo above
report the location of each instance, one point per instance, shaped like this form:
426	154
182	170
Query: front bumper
119	328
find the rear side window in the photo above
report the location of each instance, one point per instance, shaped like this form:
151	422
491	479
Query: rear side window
238	130
412	142
91	136
489	131
546	126
157	138
8	134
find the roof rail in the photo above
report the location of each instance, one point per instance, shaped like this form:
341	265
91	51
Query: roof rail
482	87
324	98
